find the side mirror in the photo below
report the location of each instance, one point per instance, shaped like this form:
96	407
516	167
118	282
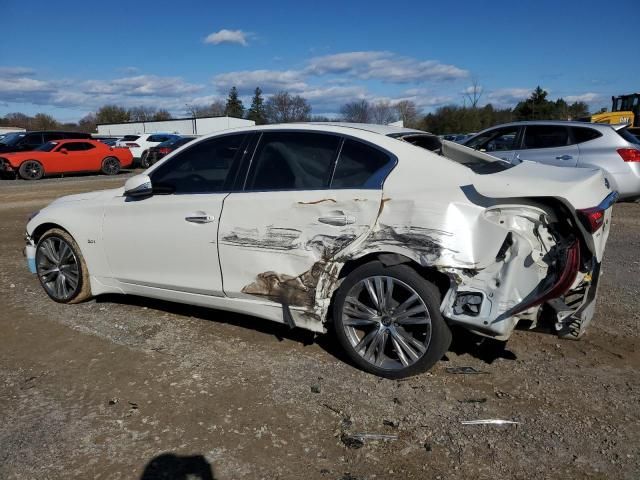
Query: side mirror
138	186
63	151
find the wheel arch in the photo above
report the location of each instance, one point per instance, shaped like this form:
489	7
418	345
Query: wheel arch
43	228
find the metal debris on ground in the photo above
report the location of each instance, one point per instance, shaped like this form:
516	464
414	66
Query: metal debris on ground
473	400
357	440
465	371
490	421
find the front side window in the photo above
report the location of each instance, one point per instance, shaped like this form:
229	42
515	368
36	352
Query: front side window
361	166
203	168
546	136
76	146
47	147
293	161
498	140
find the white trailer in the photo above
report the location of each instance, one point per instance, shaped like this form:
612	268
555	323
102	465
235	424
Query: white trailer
180	126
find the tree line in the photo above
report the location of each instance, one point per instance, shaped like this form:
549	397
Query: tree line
283	107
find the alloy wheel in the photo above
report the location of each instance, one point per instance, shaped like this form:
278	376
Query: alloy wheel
58	268
111	166
386	322
33	170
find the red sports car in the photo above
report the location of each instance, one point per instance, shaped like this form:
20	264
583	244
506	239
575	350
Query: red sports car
66	156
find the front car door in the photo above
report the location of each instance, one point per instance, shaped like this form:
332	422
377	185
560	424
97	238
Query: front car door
550	144
169	240
499	142
299	209
77	156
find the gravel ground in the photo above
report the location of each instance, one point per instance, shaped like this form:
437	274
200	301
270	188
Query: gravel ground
122	387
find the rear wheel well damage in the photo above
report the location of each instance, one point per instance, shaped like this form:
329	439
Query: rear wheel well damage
441	280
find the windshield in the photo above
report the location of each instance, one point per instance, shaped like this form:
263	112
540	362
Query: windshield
12	138
47	147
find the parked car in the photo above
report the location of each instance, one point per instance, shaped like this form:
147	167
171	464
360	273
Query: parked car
141	144
319	224
111	141
27	141
165	148
66	156
569	144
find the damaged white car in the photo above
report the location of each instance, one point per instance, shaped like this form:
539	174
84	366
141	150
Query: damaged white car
354	227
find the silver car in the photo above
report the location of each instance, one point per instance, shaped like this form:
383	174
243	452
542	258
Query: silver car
569	144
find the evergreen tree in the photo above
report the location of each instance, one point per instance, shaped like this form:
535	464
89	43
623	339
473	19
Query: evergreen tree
234	107
257	112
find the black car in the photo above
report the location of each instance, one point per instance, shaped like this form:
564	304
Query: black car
26	141
165	148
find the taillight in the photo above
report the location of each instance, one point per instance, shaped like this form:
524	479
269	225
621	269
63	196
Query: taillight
164	150
132	145
592	218
629	154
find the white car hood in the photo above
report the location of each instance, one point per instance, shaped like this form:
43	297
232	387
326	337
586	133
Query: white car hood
581	187
99	195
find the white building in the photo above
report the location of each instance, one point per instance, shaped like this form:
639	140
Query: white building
5	130
181	126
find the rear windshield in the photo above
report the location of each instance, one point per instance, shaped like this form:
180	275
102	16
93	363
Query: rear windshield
130	138
628	136
479	162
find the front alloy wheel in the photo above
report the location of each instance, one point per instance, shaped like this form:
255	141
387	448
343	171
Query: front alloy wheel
388	320
60	268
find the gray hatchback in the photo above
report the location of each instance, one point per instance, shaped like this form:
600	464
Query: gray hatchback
569	144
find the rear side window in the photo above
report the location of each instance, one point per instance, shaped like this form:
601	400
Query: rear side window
546	136
498	140
203	168
583	134
293	161
361	166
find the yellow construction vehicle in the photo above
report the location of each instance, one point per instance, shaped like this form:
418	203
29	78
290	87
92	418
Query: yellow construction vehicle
624	109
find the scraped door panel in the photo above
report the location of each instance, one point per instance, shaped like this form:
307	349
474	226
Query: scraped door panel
165	241
275	245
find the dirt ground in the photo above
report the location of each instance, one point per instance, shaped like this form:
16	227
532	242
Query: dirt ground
129	388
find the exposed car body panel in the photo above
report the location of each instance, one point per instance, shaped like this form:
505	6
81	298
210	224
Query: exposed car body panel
281	257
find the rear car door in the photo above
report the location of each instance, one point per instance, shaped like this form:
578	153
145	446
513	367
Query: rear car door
499	142
550	144
169	240
307	197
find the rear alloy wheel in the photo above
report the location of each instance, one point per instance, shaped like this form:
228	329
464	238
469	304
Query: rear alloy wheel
144	160
31	170
110	166
61	268
388	320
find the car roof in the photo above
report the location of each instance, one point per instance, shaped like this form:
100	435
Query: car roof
569	123
371	127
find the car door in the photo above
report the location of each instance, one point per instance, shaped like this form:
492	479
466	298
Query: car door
298	211
550	144
499	142
71	156
169	240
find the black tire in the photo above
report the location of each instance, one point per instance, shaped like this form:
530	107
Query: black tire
82	289
31	170
428	298
144	159
110	166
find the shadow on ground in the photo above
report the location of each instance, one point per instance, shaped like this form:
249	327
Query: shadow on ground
169	466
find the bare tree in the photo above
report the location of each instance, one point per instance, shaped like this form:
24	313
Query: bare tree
162	114
358	111
473	93
383	113
215	109
408	113
42	121
112	114
142	113
87	123
283	108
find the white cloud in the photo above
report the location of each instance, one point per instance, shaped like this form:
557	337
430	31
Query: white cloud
270	81
228	36
506	97
589	97
385	66
16	72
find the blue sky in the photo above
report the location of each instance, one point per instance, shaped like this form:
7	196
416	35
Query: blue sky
67	58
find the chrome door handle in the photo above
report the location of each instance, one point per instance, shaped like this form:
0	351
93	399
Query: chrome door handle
199	218
338	220
564	157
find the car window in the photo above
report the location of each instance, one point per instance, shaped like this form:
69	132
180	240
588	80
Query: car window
545	136
130	138
203	168
584	134
497	140
77	146
628	136
47	147
361	166
159	138
32	139
293	161
75	135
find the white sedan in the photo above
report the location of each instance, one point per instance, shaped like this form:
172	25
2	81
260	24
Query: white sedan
354	226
